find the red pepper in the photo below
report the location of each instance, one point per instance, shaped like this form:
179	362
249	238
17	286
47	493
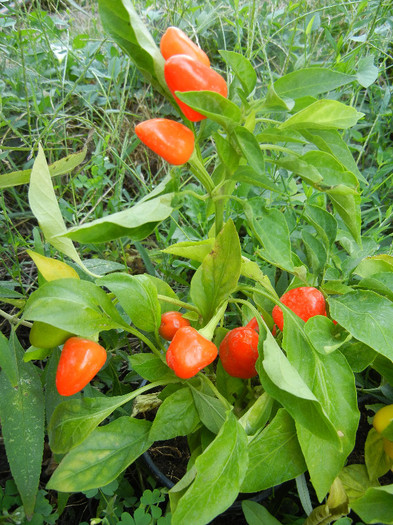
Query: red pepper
183	73
305	301
175	42
239	352
170	324
189	352
80	360
173	141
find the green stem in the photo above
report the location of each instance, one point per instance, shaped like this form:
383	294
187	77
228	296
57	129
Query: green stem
177	302
199	170
13	319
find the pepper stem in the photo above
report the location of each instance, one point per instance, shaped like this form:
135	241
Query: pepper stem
208	330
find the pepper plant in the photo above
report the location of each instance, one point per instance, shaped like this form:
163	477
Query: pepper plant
260	404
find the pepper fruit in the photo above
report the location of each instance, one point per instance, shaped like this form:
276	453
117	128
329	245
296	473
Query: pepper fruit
383	418
46	336
170	324
189	352
183	73
175	42
305	301
173	141
253	324
79	362
239	352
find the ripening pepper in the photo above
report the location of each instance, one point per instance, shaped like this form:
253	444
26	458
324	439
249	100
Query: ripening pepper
239	352
189	352
173	141
305	301
170	324
175	42
80	360
183	73
254	325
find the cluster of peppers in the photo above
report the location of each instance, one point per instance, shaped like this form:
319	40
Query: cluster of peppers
187	68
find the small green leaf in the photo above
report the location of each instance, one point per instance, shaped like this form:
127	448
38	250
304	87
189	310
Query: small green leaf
376	506
210	409
102	456
377	462
214	106
323	114
242	69
150	367
195	250
323	335
257	514
367	72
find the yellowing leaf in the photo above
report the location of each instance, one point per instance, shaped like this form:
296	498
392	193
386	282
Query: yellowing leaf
51	269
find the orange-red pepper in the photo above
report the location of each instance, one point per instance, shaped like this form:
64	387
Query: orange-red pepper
305	301
170	324
175	42
239	352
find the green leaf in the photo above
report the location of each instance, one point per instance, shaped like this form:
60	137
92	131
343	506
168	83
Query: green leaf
367	73
368	318
331	141
22	424
210	409
257	415
60	167
323	334
97	461
332	171
331	380
137	222
346	203
257	514
323	114
242	69
226	152
163	288
306	171
137	296
43	204
315	251
122	22
356	481
177	416
284	383
274	135
8	361
274	455
271	230
377	462
213	106
376	506
150	367
358	355
382	283
218	274
80	307
374	265
195	250
274	102
251	150
323	222
73	420
256	178
311	82
220	472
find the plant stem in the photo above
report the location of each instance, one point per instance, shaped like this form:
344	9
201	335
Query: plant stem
13	319
177	302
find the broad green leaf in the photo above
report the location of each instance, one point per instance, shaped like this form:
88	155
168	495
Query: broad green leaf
306	171
331	380
60	167
311	82
376	506
22	425
332	171
122	22
276	102
356	481
8	360
150	367
257	514
51	269
256	178
177	416
368	318
210	409
358	355
274	135
257	415
250	149
52	396
323	114
367	72
315	251
331	141
195	250
214	106
226	152
163	288
274	455
103	455
283	382
323	222
271	230
242	69
346	202
220	472
137	296
374	265
323	335
377	462
137	222
43	204
80	307
382	283
217	276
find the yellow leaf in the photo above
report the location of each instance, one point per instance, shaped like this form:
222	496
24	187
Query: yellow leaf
51	269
